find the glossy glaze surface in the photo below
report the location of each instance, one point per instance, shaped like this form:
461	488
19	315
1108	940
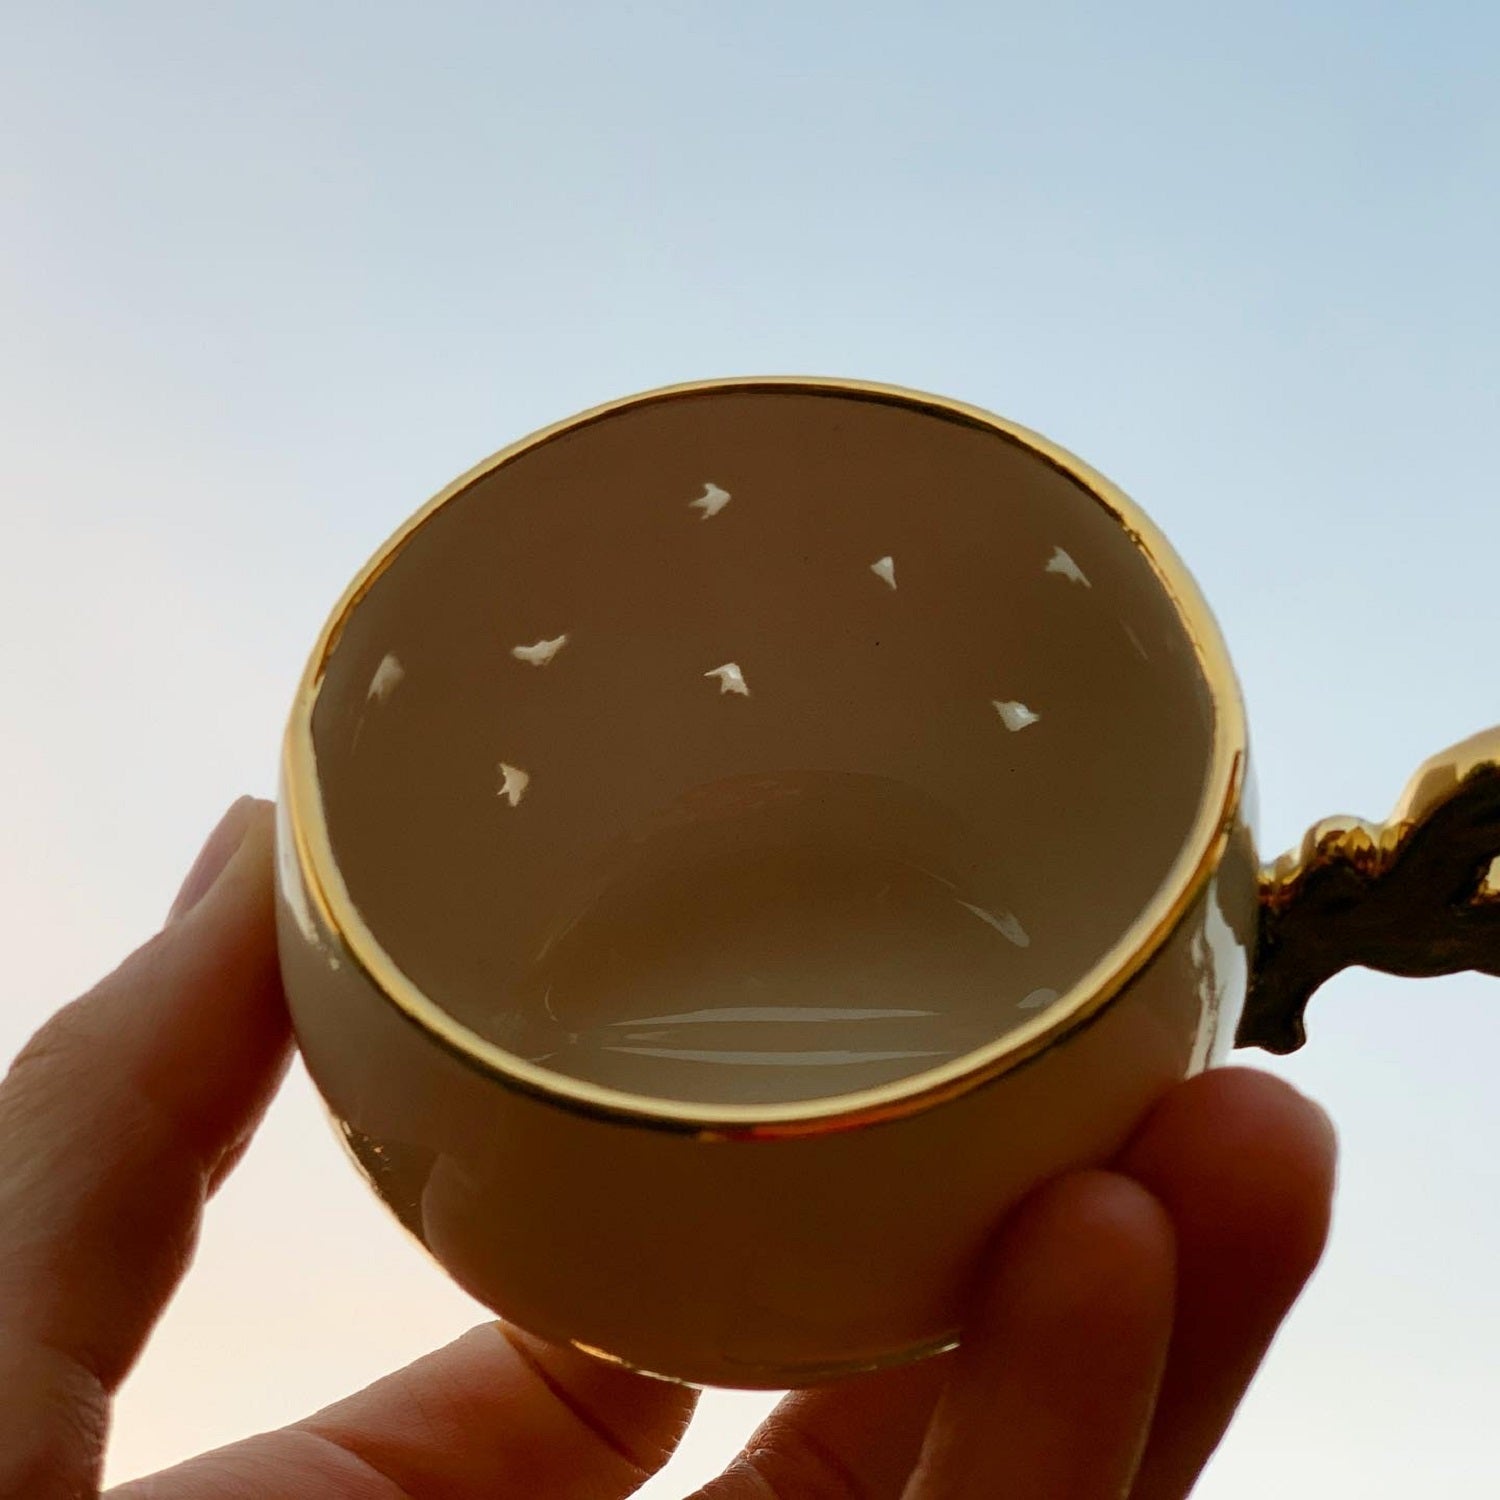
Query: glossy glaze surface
702	930
760	747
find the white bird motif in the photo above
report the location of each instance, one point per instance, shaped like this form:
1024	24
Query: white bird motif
1064	565
513	783
731	679
541	652
1015	715
1037	999
387	678
886	569
711	501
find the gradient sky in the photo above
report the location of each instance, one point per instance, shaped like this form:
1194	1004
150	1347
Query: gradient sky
271	274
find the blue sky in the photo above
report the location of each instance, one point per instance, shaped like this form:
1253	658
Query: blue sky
272	274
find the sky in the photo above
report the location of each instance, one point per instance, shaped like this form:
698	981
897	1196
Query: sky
272	274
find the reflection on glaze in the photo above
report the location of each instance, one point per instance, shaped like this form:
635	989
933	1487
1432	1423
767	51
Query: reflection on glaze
886	569
774	1059
779	1013
1036	999
1063	565
289	879
809	941
731	679
1015	715
711	501
1135	641
547	1005
540	652
1489	887
1216	957
387	678
513	783
1005	924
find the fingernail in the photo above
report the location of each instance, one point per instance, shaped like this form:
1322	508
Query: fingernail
214	855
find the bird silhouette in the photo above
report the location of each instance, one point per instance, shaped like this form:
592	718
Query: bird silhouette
711	501
1064	565
1016	715
540	652
731	679
387	678
513	783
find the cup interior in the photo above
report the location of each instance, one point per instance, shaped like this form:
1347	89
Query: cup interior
751	745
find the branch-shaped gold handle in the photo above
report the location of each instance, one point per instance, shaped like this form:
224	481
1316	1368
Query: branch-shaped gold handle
1418	895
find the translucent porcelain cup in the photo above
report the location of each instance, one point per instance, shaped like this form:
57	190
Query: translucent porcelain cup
736	842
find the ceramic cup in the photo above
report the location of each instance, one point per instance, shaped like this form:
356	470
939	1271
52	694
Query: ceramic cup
736	842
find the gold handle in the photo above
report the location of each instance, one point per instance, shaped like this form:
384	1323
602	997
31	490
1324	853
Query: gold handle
1417	895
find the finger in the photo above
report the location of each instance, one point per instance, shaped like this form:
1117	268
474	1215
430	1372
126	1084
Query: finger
114	1121
1245	1166
1052	1388
496	1413
860	1437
